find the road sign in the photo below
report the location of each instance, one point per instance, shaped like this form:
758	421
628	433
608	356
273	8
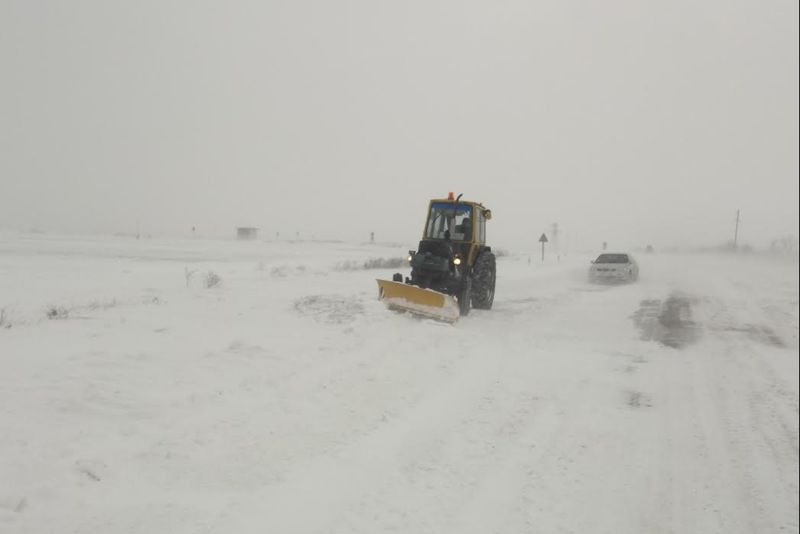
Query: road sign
543	240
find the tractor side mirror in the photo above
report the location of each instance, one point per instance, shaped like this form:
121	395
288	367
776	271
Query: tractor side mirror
487	214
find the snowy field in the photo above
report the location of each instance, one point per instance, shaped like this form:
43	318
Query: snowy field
286	399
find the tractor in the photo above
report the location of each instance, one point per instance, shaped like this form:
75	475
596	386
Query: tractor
452	270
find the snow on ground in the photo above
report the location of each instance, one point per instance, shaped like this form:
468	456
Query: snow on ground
286	399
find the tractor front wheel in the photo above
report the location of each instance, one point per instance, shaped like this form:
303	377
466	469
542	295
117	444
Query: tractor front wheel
465	297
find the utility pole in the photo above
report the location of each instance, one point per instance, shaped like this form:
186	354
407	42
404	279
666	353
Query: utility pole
736	232
554	234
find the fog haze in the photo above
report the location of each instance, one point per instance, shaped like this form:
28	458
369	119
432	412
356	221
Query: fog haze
625	122
164	372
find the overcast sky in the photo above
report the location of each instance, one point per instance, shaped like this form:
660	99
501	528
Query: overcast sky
630	121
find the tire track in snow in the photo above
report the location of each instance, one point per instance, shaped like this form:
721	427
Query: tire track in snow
327	483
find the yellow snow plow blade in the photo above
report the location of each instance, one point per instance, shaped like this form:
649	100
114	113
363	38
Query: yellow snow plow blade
425	302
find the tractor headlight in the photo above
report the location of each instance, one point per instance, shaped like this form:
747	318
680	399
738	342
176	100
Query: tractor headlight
409	258
456	261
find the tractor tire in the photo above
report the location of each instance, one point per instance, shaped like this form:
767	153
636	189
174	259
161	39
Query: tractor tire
465	298
484	276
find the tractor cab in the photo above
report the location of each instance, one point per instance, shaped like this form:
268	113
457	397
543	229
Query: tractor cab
455	229
449	221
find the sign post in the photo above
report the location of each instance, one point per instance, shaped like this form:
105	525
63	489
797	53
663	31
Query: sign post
543	240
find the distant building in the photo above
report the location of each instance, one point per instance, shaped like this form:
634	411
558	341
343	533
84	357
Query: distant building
246	232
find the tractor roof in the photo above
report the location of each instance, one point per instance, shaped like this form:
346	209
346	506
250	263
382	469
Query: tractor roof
452	201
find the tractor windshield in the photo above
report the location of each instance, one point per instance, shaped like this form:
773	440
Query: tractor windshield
449	221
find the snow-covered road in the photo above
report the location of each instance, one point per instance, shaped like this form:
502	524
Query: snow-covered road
288	400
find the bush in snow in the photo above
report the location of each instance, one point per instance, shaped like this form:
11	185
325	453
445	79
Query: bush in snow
57	312
211	279
384	263
187	274
374	263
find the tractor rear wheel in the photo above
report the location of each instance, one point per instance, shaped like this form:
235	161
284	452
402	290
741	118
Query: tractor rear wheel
484	275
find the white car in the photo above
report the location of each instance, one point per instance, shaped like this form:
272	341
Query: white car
614	267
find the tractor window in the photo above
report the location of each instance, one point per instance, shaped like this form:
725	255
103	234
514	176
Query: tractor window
447	220
481	227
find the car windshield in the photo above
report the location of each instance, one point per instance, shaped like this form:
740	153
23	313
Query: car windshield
449	221
612	258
